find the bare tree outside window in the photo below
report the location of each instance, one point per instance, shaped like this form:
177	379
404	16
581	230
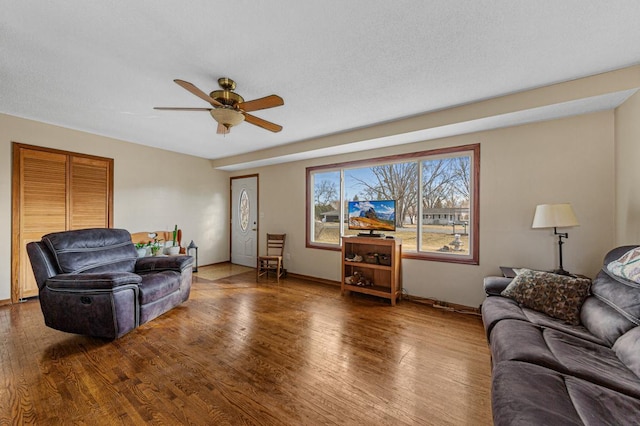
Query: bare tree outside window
436	200
436	181
445	201
391	182
326	206
326	192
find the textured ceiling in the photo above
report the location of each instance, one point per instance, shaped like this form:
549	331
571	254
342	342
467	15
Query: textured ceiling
102	66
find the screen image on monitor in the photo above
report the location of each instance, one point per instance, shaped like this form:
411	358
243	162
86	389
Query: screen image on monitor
372	215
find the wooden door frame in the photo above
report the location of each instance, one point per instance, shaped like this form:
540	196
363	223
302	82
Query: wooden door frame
231	179
16	214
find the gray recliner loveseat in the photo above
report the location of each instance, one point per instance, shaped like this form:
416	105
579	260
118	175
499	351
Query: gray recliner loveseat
549	371
92	282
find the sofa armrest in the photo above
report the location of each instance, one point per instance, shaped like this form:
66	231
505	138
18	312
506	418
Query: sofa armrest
42	262
92	281
163	263
493	286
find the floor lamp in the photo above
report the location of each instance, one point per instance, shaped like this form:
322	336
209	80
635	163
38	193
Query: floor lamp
555	216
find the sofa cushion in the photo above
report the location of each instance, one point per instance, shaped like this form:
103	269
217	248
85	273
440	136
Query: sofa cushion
603	321
496	309
162	263
520	341
157	285
559	296
514	340
546	321
92	250
527	394
597	405
593	363
627	348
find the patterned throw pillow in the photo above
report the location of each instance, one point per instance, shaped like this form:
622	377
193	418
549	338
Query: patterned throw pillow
627	266
558	296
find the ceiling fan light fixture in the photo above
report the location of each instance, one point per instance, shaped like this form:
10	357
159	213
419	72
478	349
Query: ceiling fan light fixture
228	117
229	108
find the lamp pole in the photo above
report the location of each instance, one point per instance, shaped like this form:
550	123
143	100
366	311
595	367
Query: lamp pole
560	235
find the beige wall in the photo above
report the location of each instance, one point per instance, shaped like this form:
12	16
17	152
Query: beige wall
628	171
154	189
567	160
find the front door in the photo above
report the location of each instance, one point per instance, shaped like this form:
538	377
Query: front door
244	220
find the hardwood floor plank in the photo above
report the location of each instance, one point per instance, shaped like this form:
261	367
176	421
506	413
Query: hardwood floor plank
246	353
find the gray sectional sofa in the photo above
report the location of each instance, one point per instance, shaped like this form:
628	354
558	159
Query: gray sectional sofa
547	371
92	282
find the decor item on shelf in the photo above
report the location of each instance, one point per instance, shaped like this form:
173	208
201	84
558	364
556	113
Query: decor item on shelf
371	258
352	257
192	250
155	248
556	216
141	249
175	236
155	245
175	248
360	280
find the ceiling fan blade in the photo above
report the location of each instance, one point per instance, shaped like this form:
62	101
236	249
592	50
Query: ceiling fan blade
222	129
182	109
262	123
199	93
262	103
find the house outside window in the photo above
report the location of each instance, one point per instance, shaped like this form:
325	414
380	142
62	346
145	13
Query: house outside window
436	194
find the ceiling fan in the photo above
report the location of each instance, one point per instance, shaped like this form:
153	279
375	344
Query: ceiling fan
229	108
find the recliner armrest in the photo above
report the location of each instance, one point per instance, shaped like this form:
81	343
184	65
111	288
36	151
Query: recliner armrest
92	281
163	263
493	286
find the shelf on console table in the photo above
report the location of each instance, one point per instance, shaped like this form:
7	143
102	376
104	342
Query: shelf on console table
386	279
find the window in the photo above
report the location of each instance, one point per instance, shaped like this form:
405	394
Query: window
436	194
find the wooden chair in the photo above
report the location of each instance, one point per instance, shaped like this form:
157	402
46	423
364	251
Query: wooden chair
273	259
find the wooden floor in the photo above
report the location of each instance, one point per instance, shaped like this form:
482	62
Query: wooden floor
241	353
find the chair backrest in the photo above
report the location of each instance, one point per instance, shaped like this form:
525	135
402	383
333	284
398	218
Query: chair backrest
275	244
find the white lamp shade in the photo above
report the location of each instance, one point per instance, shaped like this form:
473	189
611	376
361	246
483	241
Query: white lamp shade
228	117
554	216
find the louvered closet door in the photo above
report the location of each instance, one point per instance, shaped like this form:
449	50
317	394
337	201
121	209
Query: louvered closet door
89	194
54	191
43	206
